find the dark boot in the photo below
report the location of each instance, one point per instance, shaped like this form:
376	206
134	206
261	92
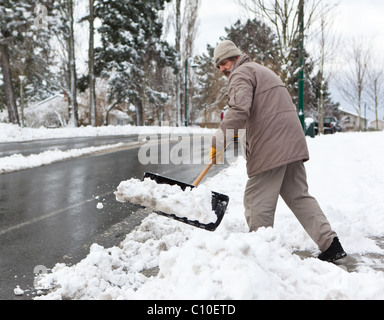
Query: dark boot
334	252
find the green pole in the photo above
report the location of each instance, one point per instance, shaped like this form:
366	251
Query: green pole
186	93
301	64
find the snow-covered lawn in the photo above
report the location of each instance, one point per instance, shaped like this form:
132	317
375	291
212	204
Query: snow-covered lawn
345	174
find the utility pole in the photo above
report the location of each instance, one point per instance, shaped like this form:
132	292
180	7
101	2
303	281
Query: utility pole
301	64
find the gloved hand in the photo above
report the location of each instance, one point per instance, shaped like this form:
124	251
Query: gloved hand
216	156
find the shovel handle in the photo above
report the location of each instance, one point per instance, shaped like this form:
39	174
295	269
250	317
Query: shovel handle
202	174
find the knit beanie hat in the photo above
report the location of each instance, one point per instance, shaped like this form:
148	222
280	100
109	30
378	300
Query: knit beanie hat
224	50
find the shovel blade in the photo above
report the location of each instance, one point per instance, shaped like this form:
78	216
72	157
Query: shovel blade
219	203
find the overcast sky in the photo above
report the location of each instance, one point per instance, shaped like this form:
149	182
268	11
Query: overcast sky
353	19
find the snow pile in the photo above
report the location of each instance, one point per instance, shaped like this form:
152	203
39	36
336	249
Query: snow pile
115	273
193	203
14	133
17	162
345	174
99	206
18	292
252	266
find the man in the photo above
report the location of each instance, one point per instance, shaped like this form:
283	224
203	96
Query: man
276	148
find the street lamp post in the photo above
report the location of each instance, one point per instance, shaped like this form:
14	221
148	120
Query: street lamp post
194	66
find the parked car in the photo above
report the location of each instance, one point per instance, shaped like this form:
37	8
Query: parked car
316	128
339	127
332	125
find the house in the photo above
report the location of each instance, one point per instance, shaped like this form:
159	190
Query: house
53	113
380	125
118	117
50	113
350	121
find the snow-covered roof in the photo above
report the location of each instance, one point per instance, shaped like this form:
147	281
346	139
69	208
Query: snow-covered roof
49	100
347	112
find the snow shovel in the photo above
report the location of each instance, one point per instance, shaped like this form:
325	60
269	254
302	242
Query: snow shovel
219	201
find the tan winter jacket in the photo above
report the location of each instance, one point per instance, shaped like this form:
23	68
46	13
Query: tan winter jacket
260	103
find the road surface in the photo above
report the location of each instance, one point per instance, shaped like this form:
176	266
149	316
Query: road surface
49	214
27	148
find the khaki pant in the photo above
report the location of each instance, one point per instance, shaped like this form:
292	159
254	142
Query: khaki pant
289	181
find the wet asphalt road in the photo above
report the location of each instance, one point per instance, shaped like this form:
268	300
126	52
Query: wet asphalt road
49	214
32	147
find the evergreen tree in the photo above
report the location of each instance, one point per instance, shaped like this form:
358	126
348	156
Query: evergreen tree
211	87
14	20
258	41
132	51
255	39
24	43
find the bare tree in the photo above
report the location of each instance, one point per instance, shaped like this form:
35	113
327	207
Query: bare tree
185	23
283	16
10	97
327	42
353	79
376	87
66	76
191	14
178	51
91	64
74	118
190	25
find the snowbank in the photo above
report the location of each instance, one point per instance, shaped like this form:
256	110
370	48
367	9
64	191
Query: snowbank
345	174
14	133
194	204
18	162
